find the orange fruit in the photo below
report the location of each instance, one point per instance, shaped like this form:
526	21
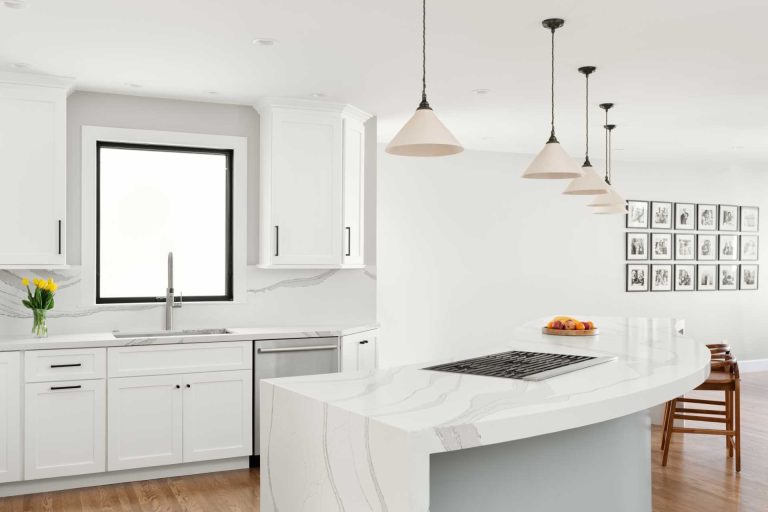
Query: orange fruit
579	326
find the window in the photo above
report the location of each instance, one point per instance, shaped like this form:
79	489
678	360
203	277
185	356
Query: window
152	200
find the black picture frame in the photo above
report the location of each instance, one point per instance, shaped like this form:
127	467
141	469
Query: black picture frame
744	268
670	276
745	218
723	223
632	204
693	247
720	269
722	247
700	210
700	240
655	205
691	268
707	269
628	249
687	223
670	246
745	252
645	267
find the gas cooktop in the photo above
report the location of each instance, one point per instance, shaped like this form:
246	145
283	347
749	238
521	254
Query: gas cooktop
518	364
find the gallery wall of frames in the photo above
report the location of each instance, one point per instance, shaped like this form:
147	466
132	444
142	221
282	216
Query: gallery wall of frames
691	247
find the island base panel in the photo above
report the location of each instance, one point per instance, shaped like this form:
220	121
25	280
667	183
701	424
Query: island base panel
604	467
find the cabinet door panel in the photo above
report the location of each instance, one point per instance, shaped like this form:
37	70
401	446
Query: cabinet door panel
64	428
218	418
32	166
145	421
306	187
354	190
10	417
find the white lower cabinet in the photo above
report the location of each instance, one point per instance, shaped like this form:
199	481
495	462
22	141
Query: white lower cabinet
359	351
10	416
145	421
217	415
64	428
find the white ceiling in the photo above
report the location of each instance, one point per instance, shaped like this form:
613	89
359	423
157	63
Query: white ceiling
688	77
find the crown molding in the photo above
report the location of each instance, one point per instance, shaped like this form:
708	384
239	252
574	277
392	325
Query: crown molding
38	80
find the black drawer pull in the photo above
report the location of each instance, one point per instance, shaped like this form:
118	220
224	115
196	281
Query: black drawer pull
349	242
277	240
54	388
71	365
364	342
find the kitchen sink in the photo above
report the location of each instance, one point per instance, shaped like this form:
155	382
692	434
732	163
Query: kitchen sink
165	334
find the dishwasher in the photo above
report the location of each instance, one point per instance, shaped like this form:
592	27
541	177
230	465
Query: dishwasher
289	358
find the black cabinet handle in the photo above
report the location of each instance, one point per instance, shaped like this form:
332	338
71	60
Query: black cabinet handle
277	240
349	241
54	388
364	342
71	365
178	387
59	236
189	385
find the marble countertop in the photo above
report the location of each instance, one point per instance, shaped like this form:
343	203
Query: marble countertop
107	339
447	411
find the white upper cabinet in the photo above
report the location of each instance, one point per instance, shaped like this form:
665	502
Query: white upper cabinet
33	137
10	416
312	156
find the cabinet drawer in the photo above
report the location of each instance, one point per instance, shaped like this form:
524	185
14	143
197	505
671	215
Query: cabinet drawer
67	364
172	359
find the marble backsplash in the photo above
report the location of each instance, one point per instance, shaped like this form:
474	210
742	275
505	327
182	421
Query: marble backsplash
274	298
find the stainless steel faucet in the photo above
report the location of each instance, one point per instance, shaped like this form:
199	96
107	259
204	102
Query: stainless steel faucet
169	296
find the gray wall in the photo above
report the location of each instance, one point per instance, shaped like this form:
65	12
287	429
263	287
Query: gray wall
468	250
275	297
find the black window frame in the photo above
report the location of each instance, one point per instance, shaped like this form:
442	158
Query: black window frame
229	155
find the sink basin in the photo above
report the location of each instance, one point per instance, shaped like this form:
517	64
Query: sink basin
165	334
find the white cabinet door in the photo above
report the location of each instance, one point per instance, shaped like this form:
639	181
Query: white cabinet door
64	428
305	187
354	192
32	175
10	417
145	421
218	420
367	357
358	351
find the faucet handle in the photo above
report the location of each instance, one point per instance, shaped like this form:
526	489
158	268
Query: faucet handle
181	301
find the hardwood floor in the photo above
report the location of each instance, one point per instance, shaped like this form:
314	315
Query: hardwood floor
699	478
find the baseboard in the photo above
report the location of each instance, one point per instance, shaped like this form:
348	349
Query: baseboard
753	365
117	477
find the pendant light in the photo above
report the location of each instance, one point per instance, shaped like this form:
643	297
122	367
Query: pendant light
552	163
612	202
424	134
589	184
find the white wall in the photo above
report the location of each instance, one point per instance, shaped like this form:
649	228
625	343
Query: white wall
275	297
469	250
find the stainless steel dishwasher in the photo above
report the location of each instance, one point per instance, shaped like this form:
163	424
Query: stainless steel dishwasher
290	358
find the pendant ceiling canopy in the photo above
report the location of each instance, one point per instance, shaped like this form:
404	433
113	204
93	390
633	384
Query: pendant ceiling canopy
424	134
552	162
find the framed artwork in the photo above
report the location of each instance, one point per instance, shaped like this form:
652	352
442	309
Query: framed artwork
685	278
728	277
748	277
661	246
685	216
637	214
706	247
685	246
637	246
729	218
661	278
749	247
706	217
706	278
661	215
728	247
637	277
750	219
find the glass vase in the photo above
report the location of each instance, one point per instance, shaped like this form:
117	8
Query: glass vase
40	325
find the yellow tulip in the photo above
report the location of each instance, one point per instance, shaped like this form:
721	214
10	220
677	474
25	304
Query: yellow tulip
50	282
53	287
25	281
42	284
36	281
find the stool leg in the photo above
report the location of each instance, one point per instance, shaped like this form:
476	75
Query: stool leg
668	433
665	424
737	419
729	440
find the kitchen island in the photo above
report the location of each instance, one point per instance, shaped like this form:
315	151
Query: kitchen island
409	439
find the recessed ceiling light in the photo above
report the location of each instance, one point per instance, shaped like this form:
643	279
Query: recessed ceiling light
264	41
15	4
20	65
319	95
133	85
481	92
212	93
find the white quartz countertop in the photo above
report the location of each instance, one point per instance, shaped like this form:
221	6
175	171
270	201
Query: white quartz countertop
446	411
107	339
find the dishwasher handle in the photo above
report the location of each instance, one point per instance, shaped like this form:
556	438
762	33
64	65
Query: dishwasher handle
296	349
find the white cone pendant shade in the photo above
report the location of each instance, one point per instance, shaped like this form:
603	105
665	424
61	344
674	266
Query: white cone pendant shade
608	210
552	163
612	198
589	184
424	135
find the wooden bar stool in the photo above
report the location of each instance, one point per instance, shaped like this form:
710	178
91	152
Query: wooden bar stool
724	376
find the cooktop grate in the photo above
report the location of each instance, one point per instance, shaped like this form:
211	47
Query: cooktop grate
518	364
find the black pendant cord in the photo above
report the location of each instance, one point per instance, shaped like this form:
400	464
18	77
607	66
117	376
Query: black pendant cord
552	137
424	103
607	151
586	131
